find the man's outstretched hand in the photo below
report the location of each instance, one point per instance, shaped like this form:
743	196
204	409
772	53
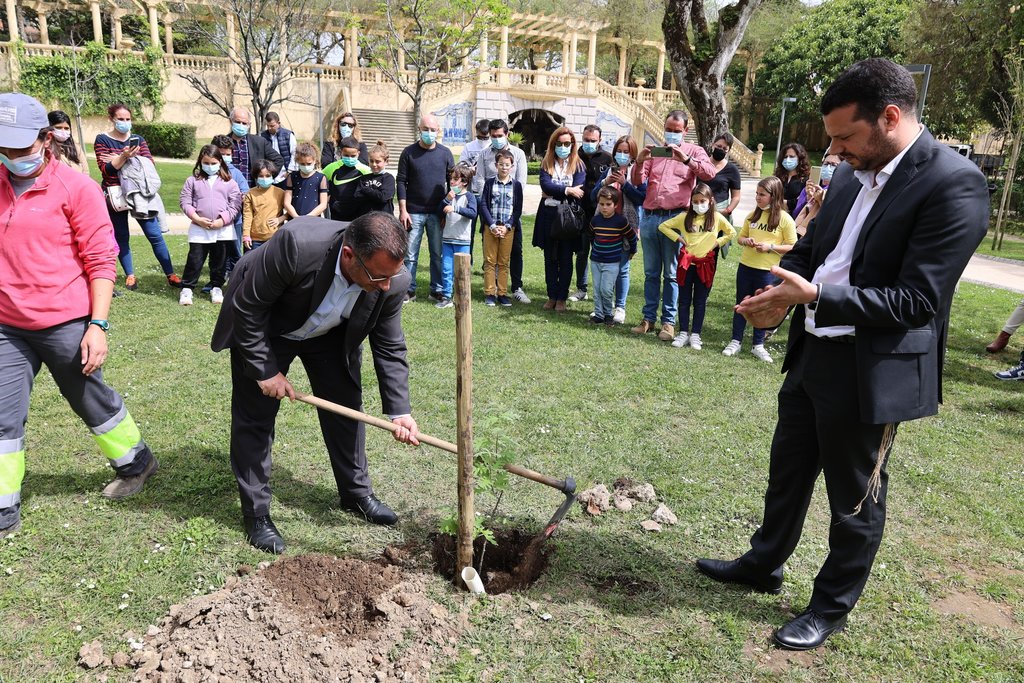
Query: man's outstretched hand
767	308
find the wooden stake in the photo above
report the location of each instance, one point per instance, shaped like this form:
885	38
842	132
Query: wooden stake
464	412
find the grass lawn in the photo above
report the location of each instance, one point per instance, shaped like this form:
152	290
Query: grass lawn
1013	247
596	404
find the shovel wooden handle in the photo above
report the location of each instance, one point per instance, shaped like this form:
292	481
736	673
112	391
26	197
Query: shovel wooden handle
360	416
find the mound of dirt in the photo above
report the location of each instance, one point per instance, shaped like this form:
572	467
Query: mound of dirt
303	619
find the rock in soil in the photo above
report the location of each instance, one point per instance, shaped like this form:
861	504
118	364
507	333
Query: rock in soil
307	618
650	525
662	515
622	502
596	500
91	654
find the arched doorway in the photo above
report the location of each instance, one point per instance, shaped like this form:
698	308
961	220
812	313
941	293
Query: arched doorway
536	126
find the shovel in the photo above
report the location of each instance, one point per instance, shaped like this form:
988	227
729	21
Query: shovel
566	486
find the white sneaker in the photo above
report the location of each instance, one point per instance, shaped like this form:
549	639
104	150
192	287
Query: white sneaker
185	298
695	342
619	315
732	349
680	341
216	295
578	295
520	296
761	353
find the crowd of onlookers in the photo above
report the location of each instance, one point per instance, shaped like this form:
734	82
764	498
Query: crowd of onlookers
600	205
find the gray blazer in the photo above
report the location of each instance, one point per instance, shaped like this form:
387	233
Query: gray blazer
274	290
912	250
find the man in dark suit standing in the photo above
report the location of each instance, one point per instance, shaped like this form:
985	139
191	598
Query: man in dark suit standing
872	284
247	149
315	292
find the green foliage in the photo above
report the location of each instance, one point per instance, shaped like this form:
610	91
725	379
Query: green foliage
94	79
174	140
533	168
450	526
805	59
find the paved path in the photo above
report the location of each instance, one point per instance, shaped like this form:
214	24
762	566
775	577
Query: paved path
993	272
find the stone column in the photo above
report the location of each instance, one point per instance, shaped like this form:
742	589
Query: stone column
12	20
44	28
503	49
592	55
97	20
573	39
622	66
660	81
154	27
484	59
169	32
116	15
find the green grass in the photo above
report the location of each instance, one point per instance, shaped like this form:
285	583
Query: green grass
591	403
1012	247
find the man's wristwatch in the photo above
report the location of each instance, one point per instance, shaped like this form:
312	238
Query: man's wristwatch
102	324
817	297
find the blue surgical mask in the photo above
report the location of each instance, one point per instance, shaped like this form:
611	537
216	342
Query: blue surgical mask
351	161
239	129
827	171
226	158
346	131
499	143
428	136
589	147
306	168
211	169
622	159
264	182
673	138
122	126
789	163
562	152
24	166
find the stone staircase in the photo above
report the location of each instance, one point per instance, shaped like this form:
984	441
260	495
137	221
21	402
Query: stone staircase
396	128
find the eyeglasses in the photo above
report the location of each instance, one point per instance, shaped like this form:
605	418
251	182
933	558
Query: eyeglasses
368	276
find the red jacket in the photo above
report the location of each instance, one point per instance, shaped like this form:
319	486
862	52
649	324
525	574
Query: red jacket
54	240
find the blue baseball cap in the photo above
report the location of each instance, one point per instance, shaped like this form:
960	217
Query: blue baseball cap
21	119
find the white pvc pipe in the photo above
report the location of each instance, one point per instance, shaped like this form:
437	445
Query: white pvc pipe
473	581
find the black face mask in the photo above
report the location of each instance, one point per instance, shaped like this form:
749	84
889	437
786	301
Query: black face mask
717	153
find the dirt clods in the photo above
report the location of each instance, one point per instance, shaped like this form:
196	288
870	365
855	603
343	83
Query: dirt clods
515	563
595	500
662	515
304	618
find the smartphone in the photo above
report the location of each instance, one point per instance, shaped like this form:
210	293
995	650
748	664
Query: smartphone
661	152
134	141
815	178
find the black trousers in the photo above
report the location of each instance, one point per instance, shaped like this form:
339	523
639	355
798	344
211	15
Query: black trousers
819	431
515	262
583	260
197	253
253	416
557	268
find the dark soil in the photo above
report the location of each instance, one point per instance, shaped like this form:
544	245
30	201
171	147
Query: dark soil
515	563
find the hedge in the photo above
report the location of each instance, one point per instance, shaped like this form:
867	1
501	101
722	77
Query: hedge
174	140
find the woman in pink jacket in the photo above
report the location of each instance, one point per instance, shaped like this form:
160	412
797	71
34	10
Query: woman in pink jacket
212	200
57	269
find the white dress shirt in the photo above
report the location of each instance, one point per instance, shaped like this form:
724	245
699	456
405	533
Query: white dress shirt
337	306
836	268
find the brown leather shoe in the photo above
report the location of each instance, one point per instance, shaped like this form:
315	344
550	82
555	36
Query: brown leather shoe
560	306
668	332
549	305
123	487
644	327
999	344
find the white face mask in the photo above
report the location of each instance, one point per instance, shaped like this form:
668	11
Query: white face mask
701	208
61	135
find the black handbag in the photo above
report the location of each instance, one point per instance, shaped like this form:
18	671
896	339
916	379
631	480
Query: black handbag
569	221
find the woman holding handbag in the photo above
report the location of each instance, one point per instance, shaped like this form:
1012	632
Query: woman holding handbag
113	150
559	216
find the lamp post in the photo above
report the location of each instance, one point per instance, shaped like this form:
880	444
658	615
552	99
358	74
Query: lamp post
782	123
319	105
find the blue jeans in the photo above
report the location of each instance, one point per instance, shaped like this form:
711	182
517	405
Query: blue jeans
692	290
622	282
604	275
432	224
151	228
748	281
448	252
660	258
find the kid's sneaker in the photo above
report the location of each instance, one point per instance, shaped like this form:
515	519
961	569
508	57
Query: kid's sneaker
504	301
681	340
445	302
520	296
216	295
490	300
731	349
695	342
1016	372
185	298
761	353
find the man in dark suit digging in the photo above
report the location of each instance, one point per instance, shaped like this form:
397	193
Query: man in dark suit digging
872	283
315	292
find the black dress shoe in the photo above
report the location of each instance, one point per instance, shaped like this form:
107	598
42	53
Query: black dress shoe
731	571
263	535
371	508
807	631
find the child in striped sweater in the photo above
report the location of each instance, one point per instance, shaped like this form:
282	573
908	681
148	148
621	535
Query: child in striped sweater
613	237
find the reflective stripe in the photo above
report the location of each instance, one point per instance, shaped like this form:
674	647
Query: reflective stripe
119	441
129	457
12	471
12	445
10	500
112	422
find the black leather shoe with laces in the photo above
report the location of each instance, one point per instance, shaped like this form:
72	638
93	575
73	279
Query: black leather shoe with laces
263	535
808	631
370	507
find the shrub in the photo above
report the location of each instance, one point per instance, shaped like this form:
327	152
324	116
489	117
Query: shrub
532	168
174	140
